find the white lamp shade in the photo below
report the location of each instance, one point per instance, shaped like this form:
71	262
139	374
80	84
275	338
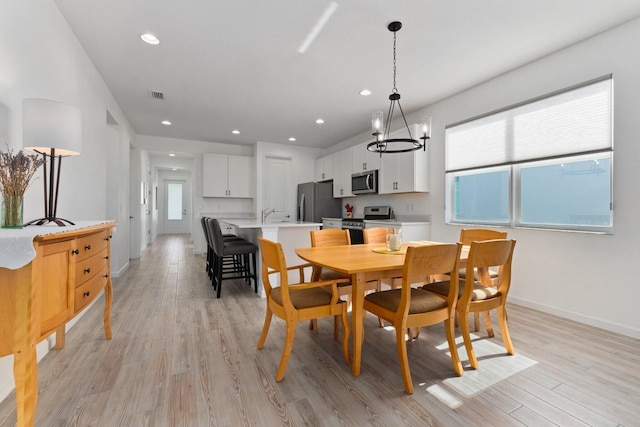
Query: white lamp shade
48	125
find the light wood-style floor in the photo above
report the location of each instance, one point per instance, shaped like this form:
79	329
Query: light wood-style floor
181	357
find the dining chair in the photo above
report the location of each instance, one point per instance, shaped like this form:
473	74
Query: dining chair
486	293
334	237
468	235
296	302
379	235
408	307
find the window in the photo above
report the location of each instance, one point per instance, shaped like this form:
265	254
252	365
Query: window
546	163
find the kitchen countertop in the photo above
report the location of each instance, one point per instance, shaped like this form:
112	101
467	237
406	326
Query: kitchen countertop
254	223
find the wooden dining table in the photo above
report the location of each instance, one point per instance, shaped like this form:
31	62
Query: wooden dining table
362	263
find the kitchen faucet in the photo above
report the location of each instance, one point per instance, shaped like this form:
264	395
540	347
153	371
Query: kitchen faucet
266	213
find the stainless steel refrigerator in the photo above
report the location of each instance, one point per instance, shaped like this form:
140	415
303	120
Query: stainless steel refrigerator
315	201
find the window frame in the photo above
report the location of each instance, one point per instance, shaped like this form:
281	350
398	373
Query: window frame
515	166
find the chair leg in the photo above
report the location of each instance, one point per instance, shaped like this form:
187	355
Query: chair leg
487	323
404	360
336	333
502	321
450	331
265	328
466	335
313	325
218	276
255	271
286	351
476	322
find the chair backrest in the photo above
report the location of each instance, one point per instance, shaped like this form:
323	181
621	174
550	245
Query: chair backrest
330	237
205	226
215	234
483	255
274	263
374	235
468	235
431	260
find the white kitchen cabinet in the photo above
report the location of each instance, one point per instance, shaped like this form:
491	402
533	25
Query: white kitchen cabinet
324	168
342	173
227	176
404	172
364	160
411	231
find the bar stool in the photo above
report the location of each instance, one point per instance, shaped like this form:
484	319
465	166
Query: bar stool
232	259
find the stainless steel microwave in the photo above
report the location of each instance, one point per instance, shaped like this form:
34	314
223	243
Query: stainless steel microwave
364	182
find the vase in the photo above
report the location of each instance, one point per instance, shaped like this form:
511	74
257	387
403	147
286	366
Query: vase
12	211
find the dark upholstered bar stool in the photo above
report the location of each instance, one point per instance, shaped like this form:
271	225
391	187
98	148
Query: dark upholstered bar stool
232	259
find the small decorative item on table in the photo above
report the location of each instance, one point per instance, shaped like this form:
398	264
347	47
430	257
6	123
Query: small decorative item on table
394	239
16	172
349	209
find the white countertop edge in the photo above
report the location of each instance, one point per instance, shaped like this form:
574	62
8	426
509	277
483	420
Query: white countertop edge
252	223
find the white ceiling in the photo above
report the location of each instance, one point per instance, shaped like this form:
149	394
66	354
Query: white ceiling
229	64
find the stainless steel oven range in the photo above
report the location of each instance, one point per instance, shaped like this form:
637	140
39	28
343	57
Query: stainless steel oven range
356	225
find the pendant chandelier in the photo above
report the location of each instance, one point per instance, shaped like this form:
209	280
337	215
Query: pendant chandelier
380	130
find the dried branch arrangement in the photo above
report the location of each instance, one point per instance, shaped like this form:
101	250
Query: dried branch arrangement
16	171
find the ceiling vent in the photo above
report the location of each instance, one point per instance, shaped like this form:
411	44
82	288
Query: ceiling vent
156	95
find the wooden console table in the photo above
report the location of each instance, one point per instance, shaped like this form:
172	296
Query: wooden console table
41	290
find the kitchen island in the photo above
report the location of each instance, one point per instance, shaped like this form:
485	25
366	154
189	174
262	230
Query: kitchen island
291	234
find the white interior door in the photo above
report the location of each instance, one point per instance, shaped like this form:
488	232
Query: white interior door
278	188
176	207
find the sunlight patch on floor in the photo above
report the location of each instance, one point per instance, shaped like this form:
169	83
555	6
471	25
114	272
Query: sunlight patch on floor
494	365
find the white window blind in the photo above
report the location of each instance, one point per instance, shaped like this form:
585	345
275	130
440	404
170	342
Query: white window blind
578	120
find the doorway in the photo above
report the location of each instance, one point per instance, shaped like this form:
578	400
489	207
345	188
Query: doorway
175	213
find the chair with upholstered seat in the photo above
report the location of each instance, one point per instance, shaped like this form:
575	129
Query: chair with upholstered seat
235	259
296	302
468	235
485	294
379	235
408	307
334	237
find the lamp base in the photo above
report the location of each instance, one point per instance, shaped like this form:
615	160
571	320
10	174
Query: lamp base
43	221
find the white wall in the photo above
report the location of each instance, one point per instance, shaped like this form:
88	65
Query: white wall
574	275
41	58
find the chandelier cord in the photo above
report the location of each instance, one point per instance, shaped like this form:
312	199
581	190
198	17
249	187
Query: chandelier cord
395	89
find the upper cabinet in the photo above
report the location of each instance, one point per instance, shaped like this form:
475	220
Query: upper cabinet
324	168
405	172
227	176
364	160
342	176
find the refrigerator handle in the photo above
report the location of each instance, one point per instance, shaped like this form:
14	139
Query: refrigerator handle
301	208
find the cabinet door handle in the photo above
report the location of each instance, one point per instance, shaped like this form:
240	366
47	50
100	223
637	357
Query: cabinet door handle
107	257
86	294
106	276
107	238
75	252
87	248
87	270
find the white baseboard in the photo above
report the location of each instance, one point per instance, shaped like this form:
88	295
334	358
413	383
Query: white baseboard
588	320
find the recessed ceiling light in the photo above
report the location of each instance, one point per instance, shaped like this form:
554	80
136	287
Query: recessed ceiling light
149	38
319	121
166	122
172	155
292	139
235	132
365	92
174	169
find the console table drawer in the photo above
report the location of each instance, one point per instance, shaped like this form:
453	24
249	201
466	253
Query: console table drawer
89	267
90	245
88	291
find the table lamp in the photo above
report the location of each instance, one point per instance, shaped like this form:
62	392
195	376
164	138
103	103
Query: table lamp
52	129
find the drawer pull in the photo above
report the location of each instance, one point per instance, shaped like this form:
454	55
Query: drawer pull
107	257
107	238
75	252
106	276
87	270
86	294
87	248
